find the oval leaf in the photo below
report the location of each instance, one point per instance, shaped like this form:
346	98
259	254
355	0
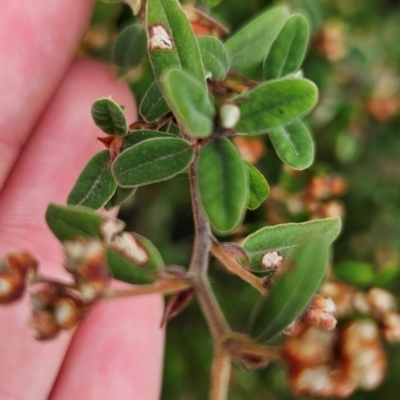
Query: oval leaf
109	117
152	160
138	136
130	47
95	185
293	291
293	144
222	185
119	197
71	222
189	102
250	45
215	57
258	187
171	41
286	238
153	106
273	104
126	270
288	50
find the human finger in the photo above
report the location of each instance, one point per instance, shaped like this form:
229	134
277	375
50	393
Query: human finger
38	40
58	149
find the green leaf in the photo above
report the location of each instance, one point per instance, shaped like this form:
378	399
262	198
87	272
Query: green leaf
293	144
355	272
258	187
222	185
171	41
95	185
288	50
153	106
130	47
71	222
215	57
212	3
109	117
250	44
152	160
135	137
119	197
126	270
189	102
273	104
292	293
286	238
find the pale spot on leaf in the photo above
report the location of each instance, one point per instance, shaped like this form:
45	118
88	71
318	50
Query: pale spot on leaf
159	38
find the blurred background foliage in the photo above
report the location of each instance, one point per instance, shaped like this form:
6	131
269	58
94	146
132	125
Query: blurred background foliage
354	58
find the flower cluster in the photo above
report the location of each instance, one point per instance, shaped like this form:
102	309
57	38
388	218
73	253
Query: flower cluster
323	361
57	305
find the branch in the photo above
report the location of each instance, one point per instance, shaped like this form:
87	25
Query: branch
220	373
162	287
233	266
199	263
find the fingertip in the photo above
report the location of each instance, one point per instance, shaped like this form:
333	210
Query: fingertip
119	350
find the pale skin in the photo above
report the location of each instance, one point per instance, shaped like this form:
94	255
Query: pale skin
46	138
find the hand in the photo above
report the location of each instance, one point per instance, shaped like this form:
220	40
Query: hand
46	138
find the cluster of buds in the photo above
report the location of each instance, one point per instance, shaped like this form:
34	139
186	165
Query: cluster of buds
330	41
324	363
321	196
384	103
55	307
319	313
376	303
17	270
59	306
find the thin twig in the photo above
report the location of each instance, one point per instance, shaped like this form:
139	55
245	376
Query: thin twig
246	345
51	281
162	287
202	242
220	373
200	260
233	266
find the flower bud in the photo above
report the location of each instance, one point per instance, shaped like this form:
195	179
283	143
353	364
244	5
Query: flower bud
45	298
320	313
342	296
68	311
16	269
322	381
295	328
229	115
361	303
390	326
381	301
272	260
363	356
86	260
23	263
44	325
313	346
